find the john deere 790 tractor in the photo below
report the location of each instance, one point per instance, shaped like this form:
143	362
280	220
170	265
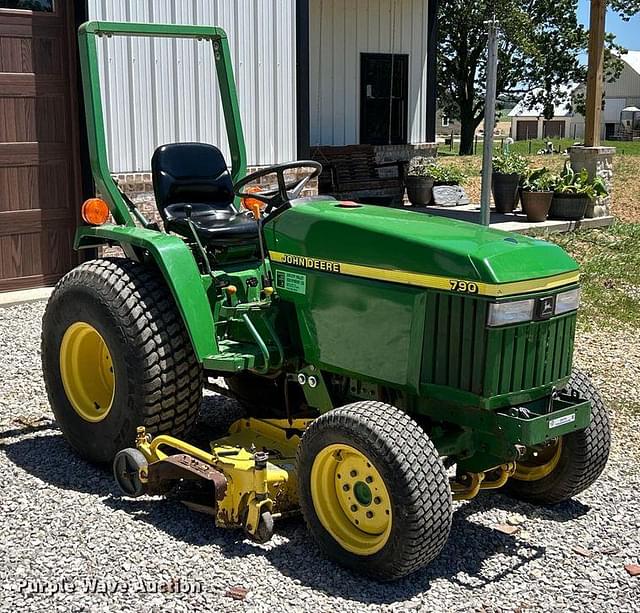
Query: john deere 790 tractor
389	361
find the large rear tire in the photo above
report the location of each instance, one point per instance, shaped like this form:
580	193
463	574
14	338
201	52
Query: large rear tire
373	490
115	356
570	464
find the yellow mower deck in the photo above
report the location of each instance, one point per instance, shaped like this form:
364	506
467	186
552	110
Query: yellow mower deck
254	465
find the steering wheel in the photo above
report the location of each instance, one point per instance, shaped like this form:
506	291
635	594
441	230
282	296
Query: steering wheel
286	191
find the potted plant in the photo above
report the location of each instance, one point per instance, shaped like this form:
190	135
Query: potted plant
537	193
573	192
446	175
424	174
508	170
419	181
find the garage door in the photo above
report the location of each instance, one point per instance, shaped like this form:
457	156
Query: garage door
526	130
39	153
554	129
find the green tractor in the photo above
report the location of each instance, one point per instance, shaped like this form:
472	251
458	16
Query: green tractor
389	361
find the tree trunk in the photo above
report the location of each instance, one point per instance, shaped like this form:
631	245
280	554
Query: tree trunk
468	125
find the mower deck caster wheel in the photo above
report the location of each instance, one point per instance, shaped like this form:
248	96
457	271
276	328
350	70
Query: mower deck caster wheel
127	466
265	528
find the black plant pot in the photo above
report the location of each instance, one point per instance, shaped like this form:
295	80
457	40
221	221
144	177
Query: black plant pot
568	206
536	204
419	190
505	191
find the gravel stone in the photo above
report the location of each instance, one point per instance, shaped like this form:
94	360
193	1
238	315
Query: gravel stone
69	542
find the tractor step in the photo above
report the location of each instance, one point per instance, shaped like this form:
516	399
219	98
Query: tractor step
233	357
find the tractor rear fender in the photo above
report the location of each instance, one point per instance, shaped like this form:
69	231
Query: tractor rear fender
179	269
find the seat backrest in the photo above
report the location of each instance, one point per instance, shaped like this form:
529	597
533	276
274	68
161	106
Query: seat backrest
191	173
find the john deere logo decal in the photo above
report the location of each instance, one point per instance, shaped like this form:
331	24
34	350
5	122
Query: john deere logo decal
299	260
545	307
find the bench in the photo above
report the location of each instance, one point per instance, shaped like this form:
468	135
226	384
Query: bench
352	173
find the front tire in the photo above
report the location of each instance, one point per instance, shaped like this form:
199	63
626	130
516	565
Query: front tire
571	464
373	490
116	355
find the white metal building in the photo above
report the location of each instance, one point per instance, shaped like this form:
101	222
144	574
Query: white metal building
309	72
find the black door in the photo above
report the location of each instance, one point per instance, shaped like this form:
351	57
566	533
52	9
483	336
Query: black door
383	106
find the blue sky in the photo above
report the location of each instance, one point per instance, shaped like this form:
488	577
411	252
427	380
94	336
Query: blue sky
627	32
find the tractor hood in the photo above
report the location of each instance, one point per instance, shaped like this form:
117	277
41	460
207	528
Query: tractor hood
331	236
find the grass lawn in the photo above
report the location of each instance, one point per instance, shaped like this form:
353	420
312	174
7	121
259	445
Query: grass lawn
610	274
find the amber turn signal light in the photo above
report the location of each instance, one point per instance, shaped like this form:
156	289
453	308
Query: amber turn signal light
253	204
95	211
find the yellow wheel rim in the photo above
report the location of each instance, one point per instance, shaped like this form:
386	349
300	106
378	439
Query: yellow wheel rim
539	463
351	499
87	372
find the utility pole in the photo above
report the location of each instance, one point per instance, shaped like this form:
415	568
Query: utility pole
489	119
595	73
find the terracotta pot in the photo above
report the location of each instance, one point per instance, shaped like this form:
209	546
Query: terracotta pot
536	204
505	191
568	206
419	190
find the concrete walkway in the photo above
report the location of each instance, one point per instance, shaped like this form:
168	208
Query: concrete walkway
8	299
514	222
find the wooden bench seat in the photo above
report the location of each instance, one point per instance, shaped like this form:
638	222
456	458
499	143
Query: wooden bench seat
352	173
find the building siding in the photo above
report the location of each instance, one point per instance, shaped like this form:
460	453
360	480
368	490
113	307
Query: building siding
340	31
626	86
157	91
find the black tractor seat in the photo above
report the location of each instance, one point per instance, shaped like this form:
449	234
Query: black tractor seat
224	227
195	175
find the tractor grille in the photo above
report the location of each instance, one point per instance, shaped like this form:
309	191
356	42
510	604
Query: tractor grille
461	352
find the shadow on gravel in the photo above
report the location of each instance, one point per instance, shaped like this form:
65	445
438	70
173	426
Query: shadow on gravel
51	459
466	559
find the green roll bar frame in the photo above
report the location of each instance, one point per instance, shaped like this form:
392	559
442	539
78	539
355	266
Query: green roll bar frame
171	254
87	36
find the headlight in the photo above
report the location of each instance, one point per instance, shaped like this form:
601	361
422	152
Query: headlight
567	301
503	313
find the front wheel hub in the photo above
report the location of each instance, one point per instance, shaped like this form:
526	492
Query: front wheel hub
351	499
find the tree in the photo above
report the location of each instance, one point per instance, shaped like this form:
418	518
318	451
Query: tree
538	56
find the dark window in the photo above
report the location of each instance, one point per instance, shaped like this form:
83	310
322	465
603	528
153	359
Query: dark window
28	5
383	99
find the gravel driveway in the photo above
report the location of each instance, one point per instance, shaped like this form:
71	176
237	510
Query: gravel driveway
68	542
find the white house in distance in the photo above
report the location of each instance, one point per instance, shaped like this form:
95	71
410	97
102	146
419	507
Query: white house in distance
622	94
620	116
528	123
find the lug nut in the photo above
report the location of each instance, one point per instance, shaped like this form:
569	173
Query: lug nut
354	508
369	479
345	487
377	500
354	473
369	514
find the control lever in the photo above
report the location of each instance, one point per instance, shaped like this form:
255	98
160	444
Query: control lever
188	211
